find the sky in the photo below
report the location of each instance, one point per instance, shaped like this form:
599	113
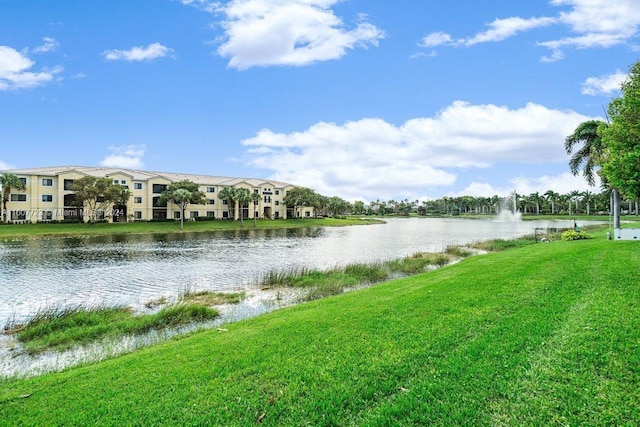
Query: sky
361	99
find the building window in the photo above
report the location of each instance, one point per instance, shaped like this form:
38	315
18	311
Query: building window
123	182
47	215
157	203
211	189
255	190
23	181
159	188
47	182
211	214
67	184
277	202
193	215
225	214
137	186
176	215
70	200
18	215
159	214
307	214
277	192
137	200
224	202
211	201
115	181
18	197
47	198
137	214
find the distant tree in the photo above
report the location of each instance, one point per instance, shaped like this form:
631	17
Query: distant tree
243	197
552	197
9	181
358	207
183	193
299	197
96	195
255	198
337	206
228	194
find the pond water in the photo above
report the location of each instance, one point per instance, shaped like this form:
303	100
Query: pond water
132	270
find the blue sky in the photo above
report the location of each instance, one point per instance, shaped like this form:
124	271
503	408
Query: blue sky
359	99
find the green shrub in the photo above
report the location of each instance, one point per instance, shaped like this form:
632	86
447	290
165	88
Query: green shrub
575	235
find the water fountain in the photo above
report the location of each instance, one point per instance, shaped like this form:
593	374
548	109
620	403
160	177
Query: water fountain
509	213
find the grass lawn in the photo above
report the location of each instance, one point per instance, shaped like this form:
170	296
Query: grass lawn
13	231
547	334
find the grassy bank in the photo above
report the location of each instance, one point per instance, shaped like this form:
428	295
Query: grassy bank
62	329
547	334
13	231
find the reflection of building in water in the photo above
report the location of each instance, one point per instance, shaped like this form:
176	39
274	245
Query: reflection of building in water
48	196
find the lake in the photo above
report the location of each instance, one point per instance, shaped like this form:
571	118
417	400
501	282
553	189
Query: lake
132	270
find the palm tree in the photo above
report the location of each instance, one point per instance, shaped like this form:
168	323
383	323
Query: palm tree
7	182
587	198
590	156
552	197
255	198
229	194
243	197
535	199
575	197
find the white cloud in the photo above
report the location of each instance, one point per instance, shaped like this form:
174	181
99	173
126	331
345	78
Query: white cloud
562	184
15	71
49	45
604	85
138	53
436	39
589	24
371	158
6	166
296	32
502	29
125	156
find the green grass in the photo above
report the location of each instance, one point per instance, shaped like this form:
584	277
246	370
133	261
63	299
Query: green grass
211	298
547	334
18	231
63	329
334	281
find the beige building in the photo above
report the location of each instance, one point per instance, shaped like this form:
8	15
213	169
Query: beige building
48	197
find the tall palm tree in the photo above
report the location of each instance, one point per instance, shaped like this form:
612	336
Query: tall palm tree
589	156
229	194
242	197
7	182
587	198
552	197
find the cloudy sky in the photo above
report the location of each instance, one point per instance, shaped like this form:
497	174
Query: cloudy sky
355	98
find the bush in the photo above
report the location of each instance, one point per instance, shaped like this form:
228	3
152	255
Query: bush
575	235
205	218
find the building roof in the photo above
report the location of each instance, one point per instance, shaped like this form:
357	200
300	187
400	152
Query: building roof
140	175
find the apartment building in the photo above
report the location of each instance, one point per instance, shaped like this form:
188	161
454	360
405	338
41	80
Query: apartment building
48	196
